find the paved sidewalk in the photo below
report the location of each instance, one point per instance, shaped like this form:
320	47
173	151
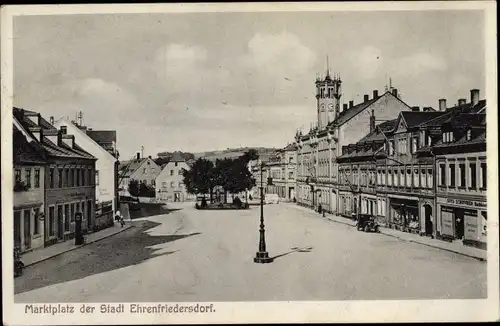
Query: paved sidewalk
38	255
409	237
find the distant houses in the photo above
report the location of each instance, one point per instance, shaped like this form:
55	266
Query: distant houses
170	182
144	170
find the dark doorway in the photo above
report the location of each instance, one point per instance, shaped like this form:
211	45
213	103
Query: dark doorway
459	223
60	222
27	229
428	220
89	214
17	229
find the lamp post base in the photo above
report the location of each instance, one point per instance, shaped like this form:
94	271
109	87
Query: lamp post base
262	257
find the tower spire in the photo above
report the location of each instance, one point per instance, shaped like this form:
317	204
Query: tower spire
327	67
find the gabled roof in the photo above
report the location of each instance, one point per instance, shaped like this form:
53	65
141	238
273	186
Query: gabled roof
452	112
51	149
352	112
102	136
177	157
290	148
413	119
24	150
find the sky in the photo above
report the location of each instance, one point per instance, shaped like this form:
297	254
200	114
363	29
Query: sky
206	81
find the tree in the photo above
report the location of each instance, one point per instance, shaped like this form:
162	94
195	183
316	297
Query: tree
200	179
250	155
133	188
224	175
146	190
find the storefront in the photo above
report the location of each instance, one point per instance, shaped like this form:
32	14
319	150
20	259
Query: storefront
462	219
404	214
369	204
346	204
427	217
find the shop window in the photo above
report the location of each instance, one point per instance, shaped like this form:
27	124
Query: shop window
483	175
473	181
27	175
452	175
51	220
461	172
442	175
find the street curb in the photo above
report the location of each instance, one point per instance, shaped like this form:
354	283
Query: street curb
74	248
418	242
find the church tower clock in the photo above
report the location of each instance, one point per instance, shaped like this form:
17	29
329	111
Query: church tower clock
328	93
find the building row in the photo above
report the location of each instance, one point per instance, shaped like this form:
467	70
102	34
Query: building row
59	170
419	170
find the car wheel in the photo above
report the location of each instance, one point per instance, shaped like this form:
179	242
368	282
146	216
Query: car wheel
366	228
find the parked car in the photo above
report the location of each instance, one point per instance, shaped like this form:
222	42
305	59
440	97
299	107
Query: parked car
271	199
367	223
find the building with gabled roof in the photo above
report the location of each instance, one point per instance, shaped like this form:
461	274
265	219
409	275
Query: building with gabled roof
69	178
142	169
282	168
318	149
170	181
106	171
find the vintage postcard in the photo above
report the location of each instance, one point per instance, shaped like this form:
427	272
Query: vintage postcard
249	163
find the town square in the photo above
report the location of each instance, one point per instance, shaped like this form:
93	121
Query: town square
245	157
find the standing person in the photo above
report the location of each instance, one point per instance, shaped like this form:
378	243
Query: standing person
119	218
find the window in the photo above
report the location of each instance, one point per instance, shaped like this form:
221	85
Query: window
18	175
414	145
415	178
472	167
290	175
383	177
27	175
171	184
429	141
96	177
391	147
69	180
66	217
389	179
171	172
36	224
51	181
176	163
180	172
164	185
469	134
78	179
442	175
379	177
84	177
408	177
429	178
452	175
153	182
144	181
77	209
180	184
27	217
461	172
75	177
72	213
60	178
396	178
37	178
144	171
483	175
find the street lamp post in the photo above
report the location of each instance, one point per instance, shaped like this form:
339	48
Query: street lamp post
262	256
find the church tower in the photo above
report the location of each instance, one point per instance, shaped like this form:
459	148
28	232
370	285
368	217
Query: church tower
328	93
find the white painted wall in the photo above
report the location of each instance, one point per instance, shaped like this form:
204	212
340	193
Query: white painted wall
105	164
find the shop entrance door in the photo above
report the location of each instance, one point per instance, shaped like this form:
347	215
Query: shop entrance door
428	219
459	223
17	229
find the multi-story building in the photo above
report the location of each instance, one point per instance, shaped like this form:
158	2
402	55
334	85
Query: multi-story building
106	172
170	182
430	172
317	168
458	147
69	178
144	170
282	169
29	162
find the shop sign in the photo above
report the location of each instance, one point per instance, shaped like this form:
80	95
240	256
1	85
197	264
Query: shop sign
466	202
470	227
447	221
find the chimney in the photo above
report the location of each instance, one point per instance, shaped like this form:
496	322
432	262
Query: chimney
474	96
375	93
344	108
69	140
442	104
51	120
372	121
395	92
138	156
366	98
64	130
415	108
461	101
351	104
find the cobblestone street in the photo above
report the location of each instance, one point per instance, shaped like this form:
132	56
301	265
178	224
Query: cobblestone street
192	255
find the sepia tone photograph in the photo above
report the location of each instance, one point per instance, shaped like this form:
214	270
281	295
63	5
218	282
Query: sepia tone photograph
163	161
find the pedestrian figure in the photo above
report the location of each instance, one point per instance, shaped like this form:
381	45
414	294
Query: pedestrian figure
119	218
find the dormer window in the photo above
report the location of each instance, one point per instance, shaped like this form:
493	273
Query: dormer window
448	137
469	134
